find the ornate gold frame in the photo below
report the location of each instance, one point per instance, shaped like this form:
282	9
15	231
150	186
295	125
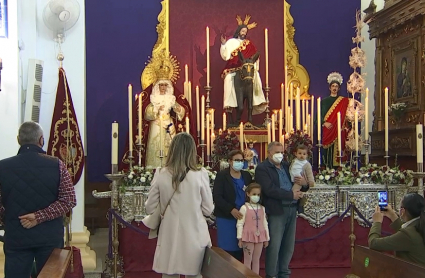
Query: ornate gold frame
297	74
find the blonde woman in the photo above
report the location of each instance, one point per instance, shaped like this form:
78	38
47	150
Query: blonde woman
183	235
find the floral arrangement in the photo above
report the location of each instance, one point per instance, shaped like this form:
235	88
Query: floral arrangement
295	139
137	176
398	109
369	174
211	174
225	143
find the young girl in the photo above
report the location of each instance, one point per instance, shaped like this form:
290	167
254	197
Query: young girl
252	229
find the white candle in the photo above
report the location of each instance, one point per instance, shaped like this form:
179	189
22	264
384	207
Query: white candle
161	136
419	143
298	112
241	135
266	41
303	112
186	74
308	125
212	142
224	121
386	118
282	94
282	140
286	86
286	107
291	105
356	130
198	121
189	93
366	113
208	134
130	117
319	124
140	118
280	124
114	151
306	112
272	127
208	56
339	135
269	135
202	119
212	119
187	125
292	123
288	128
311	123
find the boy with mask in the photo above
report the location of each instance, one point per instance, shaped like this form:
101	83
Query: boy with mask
280	198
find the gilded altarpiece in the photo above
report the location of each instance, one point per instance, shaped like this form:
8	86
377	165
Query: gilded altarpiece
399	31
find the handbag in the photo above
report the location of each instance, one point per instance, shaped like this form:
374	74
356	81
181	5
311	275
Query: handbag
153	221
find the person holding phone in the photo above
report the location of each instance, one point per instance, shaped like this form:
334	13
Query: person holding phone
408	241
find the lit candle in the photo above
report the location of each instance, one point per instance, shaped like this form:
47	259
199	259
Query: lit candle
366	115
386	119
269	135
208	134
224	121
186	74
212	141
266	41
140	118
339	135
319	124
272	127
280	124
208	56
356	130
187	125
130	117
241	135
311	123
220	131
114	151
198	122
419	143
298	115
202	119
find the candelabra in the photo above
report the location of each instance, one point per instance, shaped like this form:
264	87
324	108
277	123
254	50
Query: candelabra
202	145
208	160
139	152
130	159
115	262
356	160
207	101
340	160
386	158
267	119
366	148
420	176
319	148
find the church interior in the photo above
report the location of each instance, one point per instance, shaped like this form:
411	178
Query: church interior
342	77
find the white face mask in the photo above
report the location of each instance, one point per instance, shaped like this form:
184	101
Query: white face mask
254	199
277	157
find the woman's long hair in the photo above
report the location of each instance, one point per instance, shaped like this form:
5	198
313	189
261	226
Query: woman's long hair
414	204
181	158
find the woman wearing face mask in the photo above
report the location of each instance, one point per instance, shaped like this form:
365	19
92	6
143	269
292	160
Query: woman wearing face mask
408	241
229	196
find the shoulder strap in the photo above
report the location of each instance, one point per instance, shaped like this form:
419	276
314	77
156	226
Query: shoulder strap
169	201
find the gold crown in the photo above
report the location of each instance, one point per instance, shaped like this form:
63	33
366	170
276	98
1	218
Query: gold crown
246	21
162	66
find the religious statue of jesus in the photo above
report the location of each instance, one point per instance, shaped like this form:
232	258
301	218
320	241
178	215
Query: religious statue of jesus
229	51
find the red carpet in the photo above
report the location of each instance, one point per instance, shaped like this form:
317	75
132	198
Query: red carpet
296	273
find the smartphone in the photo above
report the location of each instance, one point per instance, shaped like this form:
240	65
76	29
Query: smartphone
382	200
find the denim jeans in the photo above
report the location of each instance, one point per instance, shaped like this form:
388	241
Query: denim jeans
282	240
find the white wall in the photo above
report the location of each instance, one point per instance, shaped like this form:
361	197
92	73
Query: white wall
369	47
9	120
37	42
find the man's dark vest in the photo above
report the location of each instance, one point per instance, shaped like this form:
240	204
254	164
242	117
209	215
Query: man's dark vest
29	182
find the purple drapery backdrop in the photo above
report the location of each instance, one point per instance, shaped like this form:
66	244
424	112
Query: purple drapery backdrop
120	37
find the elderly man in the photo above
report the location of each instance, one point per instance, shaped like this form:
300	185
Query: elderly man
36	190
280	199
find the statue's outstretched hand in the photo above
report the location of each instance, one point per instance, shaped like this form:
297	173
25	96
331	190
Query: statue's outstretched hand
223	39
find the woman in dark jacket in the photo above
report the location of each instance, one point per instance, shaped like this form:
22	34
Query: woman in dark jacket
229	196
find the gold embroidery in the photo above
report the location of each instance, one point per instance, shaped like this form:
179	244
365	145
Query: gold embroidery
333	107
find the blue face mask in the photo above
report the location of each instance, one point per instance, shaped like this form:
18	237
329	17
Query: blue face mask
237	165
